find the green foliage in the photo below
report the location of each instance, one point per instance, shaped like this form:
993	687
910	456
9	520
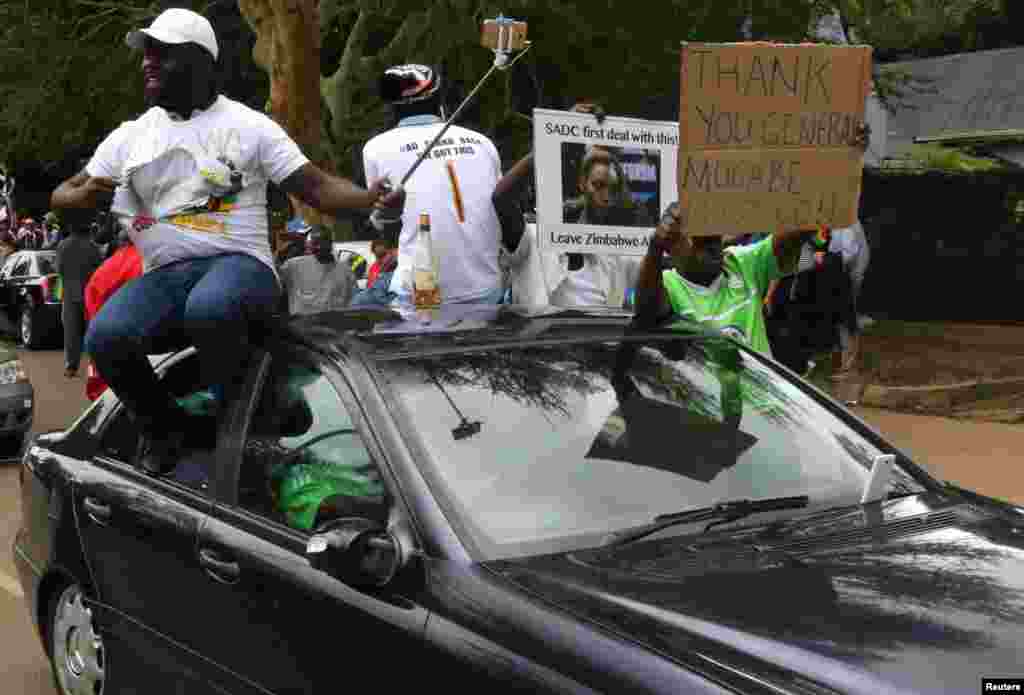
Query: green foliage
621	54
936	158
66	78
913	26
61	84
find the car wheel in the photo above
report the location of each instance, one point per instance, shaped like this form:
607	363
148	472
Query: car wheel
76	650
30	337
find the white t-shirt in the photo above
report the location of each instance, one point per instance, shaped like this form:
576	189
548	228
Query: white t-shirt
204	180
464	166
543	278
852	244
602	281
313	286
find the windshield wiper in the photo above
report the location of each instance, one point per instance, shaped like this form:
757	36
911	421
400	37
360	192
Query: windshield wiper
721	513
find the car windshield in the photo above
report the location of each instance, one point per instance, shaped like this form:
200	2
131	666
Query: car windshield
550	448
45	263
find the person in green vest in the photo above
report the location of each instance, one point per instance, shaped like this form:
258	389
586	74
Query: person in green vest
695	278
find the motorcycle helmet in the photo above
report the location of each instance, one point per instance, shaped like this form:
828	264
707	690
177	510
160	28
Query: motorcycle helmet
407	84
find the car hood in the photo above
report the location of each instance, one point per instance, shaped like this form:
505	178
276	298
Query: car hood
923	594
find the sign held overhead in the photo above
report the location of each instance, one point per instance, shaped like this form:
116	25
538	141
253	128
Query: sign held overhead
601	186
766	135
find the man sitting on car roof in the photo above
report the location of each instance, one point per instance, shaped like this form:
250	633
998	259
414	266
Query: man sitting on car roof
193	173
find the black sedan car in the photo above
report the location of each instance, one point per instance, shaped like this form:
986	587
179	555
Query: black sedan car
499	502
30	297
17	401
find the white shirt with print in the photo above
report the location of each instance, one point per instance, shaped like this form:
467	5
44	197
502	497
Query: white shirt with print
464	166
602	281
543	278
203	179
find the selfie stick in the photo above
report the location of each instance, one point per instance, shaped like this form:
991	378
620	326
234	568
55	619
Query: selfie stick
501	54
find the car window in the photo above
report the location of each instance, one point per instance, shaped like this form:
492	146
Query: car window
8	265
538	449
120	438
45	264
304	461
22	267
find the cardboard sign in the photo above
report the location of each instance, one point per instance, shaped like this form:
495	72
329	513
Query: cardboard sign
601	187
765	135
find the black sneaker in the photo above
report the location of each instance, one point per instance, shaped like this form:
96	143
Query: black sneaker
159	455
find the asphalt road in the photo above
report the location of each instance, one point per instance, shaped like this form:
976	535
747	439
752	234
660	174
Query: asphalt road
59	400
983	456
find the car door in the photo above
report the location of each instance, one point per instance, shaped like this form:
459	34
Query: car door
21	275
6	289
139	534
277	622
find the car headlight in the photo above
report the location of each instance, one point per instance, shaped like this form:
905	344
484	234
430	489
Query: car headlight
12	371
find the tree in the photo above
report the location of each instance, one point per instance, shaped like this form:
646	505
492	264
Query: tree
67	79
288	48
64	70
580	49
917	27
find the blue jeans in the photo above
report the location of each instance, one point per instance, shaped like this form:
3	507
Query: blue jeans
376	294
207	302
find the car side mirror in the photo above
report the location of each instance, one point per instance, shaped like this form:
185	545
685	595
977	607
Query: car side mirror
358	551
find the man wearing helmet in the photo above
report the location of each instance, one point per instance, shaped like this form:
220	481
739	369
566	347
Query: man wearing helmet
453	185
190	178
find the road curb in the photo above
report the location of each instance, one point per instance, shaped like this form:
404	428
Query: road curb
941	399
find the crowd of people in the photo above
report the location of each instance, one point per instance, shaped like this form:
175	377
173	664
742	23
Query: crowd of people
29	233
192	247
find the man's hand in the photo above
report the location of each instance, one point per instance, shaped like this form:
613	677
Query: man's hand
84	192
669	230
591	108
387	198
652	303
101	187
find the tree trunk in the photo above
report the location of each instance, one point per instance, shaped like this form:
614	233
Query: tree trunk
288	48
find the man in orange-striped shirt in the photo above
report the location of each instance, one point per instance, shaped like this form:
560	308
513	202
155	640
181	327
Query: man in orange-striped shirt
453	185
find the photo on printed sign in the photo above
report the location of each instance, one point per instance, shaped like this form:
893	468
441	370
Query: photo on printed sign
610	186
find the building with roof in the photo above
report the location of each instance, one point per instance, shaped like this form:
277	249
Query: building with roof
973	101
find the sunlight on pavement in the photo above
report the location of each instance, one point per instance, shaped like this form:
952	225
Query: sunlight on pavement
983	456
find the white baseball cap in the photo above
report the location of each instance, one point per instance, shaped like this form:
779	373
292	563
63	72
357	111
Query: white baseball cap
177	26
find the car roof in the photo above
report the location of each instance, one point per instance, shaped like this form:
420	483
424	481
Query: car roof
357	246
34	252
384	333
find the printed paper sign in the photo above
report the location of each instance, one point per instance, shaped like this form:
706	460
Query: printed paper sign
765	135
601	187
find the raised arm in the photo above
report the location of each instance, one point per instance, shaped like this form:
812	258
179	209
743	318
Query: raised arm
652	302
507	194
515	179
330	194
83	192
